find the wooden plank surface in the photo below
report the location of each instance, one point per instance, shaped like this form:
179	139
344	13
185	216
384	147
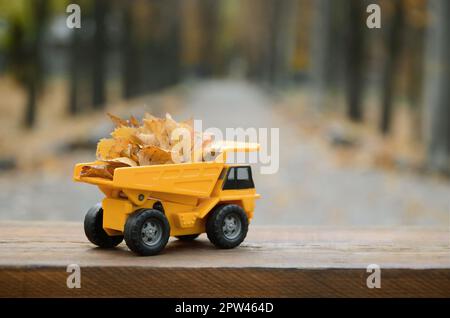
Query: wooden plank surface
272	262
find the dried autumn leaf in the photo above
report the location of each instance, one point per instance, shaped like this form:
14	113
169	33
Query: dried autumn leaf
104	147
111	148
158	128
124	160
123	132
134	151
153	155
100	171
134	122
117	120
146	139
170	124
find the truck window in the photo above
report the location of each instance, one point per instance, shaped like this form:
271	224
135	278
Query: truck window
239	178
229	181
242	174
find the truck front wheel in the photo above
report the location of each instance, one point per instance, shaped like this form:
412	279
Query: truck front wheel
93	228
227	226
147	232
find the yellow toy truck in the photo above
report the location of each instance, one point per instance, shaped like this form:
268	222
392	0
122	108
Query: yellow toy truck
148	204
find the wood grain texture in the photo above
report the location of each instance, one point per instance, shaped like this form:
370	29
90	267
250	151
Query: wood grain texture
272	262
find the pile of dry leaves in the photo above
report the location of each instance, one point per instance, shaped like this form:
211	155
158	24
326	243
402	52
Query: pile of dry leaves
149	142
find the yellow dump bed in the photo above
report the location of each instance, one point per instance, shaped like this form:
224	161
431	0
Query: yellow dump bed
194	179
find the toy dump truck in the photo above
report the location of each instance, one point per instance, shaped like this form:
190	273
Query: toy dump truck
145	205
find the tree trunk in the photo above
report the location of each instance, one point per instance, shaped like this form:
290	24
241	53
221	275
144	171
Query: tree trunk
209	56
355	59
281	40
437	79
30	110
130	61
162	52
320	51
394	37
74	72
416	45
33	66
99	55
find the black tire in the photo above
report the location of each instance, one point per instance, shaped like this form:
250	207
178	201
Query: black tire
216	226
187	238
151	241
93	228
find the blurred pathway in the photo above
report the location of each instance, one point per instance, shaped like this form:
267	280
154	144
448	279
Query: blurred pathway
309	188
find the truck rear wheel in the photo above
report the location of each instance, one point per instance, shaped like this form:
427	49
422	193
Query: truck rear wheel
187	237
147	232
93	228
227	226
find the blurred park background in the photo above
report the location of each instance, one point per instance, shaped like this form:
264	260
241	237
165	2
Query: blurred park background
364	114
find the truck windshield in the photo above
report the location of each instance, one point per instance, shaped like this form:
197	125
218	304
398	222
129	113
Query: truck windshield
239	178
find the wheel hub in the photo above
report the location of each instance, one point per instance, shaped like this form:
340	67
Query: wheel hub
231	226
151	232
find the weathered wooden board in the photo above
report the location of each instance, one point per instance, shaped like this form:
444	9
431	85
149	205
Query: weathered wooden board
272	262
